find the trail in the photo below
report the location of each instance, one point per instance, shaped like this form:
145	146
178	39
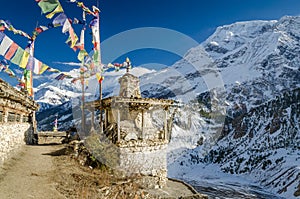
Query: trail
28	174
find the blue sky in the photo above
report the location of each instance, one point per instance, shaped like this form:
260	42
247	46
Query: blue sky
195	18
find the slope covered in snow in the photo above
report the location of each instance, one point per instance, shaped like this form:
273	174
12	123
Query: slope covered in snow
258	62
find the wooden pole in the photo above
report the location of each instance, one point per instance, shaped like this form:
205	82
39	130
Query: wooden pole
82	78
82	97
100	70
101	108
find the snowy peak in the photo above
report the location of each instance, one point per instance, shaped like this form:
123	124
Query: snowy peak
230	37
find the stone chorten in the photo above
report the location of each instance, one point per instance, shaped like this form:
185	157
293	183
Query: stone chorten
129	86
140	128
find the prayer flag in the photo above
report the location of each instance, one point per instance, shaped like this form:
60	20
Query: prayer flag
13	48
2	35
71	41
18	56
99	77
5	44
60	76
53	70
30	63
41	29
37	66
24	59
82	54
28	81
48	5
58	9
43	68
67	26
59	20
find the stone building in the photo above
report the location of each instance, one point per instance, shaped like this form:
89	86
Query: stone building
16	123
139	128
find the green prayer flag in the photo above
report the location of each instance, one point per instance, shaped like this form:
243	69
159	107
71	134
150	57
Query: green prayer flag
96	56
48	5
18	56
81	55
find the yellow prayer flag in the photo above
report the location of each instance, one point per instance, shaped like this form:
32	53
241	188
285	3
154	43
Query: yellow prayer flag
43	68
24	59
98	75
110	65
58	9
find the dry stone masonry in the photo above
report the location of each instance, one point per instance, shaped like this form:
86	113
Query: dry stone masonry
16	123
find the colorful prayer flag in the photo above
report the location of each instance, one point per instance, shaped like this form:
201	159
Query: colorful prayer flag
58	9
37	66
2	35
48	5
13	48
30	63
59	20
60	76
18	56
24	59
28	81
5	44
53	70
43	68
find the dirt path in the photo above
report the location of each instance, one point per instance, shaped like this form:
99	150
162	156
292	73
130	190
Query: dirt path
51	172
28	174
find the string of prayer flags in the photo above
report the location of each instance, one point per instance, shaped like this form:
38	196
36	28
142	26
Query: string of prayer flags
117	66
18	56
94	25
83	7
6	25
4	66
38	30
54	7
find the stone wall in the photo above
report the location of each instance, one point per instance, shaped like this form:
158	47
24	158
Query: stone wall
147	161
12	137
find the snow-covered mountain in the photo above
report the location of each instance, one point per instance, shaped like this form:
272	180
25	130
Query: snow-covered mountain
259	65
56	96
239	92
